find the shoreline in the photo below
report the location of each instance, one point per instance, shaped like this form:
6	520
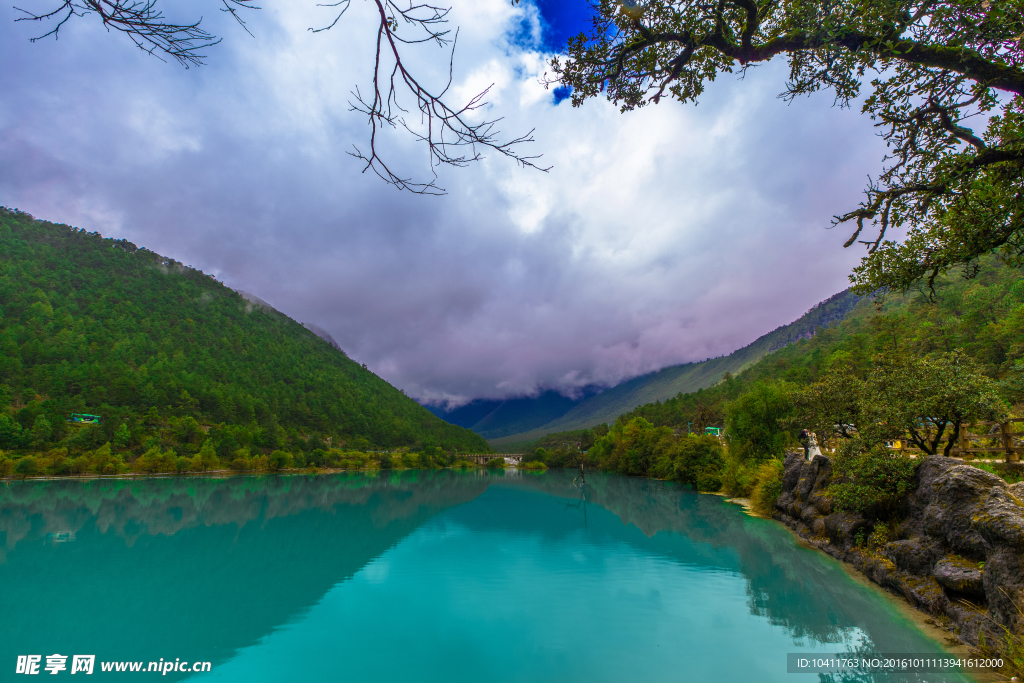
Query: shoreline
163	475
922	620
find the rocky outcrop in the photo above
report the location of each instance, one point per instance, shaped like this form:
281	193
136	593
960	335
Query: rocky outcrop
958	552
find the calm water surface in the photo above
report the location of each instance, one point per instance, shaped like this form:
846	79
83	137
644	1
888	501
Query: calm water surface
422	576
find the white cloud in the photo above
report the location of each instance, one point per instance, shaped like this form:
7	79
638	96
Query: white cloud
660	236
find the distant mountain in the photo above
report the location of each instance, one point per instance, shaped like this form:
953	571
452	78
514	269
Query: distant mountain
495	419
666	383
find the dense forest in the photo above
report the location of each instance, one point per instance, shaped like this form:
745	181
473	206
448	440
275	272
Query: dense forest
171	359
965	335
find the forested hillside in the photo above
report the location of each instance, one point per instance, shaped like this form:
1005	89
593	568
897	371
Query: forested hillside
166	354
670	381
982	316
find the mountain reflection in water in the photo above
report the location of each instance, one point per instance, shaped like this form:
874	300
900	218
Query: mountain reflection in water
245	571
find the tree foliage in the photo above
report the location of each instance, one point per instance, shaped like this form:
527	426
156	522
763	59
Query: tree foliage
759	422
928	399
946	81
831	407
767	487
639	448
870	480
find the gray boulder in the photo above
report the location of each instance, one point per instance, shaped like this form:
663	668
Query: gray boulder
914	555
842	527
959	550
959	575
1000	520
957	495
1003	578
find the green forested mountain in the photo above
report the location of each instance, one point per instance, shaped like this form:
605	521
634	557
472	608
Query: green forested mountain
165	353
668	382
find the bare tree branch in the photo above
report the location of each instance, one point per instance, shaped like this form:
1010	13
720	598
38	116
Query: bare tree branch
143	23
451	133
454	135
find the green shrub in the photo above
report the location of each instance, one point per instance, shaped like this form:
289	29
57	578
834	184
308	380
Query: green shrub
208	456
496	462
767	487
634	447
884	532
385	461
115	465
279	460
738	476
872	481
663	467
100	457
240	464
155	461
698	461
27	466
532	465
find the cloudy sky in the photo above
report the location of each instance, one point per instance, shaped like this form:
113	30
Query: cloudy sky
662	236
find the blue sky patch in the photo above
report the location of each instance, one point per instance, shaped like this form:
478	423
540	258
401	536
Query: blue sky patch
562	19
562	92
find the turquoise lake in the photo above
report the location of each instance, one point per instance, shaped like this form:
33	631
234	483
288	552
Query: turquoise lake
423	576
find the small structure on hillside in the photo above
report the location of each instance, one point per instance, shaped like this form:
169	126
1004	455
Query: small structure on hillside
82	418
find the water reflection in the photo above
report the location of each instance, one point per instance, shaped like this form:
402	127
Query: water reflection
204	565
221	569
791	586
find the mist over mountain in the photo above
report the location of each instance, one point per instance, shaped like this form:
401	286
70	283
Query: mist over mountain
657	386
493	419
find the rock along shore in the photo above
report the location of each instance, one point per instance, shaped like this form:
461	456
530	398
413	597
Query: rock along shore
958	553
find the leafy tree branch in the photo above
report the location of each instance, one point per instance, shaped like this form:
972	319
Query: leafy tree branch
954	189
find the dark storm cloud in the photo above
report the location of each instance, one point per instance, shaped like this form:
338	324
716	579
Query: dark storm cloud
667	235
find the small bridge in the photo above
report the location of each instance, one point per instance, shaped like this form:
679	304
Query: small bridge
484	458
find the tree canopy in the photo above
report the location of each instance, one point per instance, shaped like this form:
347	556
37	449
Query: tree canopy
946	81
